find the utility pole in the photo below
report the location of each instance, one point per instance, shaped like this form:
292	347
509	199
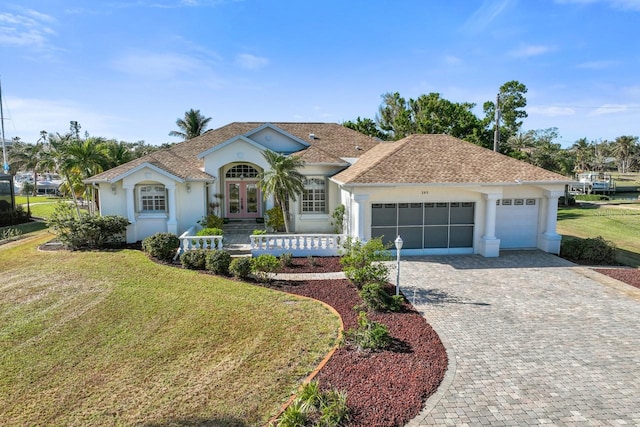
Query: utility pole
5	164
496	135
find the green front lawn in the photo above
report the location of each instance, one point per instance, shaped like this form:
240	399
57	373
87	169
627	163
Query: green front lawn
111	338
619	225
41	206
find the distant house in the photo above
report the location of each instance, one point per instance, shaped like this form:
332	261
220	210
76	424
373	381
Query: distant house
442	195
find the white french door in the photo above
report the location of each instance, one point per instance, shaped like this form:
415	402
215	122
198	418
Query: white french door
243	199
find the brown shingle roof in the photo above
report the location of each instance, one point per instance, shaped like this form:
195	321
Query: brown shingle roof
331	143
431	159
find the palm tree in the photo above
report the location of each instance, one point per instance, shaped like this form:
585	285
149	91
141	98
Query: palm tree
193	124
118	153
78	159
583	151
282	180
520	145
624	148
29	158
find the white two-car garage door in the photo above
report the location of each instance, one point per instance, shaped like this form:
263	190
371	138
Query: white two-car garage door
517	223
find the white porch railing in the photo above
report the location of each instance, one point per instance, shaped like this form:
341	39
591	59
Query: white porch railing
298	245
189	241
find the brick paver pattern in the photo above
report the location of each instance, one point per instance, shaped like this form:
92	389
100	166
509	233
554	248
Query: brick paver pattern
533	340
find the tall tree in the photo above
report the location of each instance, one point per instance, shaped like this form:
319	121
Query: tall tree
27	157
624	148
428	114
193	124
583	152
78	159
118	153
433	114
546	153
394	116
367	127
512	103
282	180
520	145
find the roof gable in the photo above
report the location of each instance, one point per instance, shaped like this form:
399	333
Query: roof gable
441	159
276	139
228	142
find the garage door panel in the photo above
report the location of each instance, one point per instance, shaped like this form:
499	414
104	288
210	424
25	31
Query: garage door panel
436	237
461	237
388	234
517	224
411	237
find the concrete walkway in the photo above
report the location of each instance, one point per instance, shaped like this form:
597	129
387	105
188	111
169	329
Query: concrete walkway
531	338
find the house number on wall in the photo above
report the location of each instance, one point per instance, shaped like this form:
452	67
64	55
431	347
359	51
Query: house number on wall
425	192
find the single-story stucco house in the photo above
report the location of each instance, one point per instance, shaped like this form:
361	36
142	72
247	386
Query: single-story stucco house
442	195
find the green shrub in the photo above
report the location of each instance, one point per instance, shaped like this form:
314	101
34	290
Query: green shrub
369	335
240	267
372	273
162	246
275	219
218	262
358	254
258	231
376	298
595	250
194	259
286	259
337	219
264	266
9	233
213	231
360	262
87	231
211	221
315	407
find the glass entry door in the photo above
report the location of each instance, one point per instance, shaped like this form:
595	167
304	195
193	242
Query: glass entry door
243	199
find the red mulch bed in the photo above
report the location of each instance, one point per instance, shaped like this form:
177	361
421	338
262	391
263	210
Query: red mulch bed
322	265
386	388
630	276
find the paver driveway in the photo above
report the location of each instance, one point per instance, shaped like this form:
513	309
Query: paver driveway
532	339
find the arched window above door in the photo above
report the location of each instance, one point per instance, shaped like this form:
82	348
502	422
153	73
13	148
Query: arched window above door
242	171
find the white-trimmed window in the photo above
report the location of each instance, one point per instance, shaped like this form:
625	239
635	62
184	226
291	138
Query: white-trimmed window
152	198
314	196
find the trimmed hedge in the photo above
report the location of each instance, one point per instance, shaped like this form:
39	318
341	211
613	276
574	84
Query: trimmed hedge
595	250
218	262
162	246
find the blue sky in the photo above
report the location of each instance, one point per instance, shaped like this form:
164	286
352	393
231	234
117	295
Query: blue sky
129	69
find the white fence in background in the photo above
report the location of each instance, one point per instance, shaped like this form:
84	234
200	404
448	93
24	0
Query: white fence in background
299	245
189	241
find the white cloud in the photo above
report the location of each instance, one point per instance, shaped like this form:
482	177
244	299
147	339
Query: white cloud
485	15
609	109
551	111
159	65
530	50
597	65
29	29
452	60
251	62
616	4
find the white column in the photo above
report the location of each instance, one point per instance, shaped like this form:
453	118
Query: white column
549	241
172	222
131	213
490	244
360	204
